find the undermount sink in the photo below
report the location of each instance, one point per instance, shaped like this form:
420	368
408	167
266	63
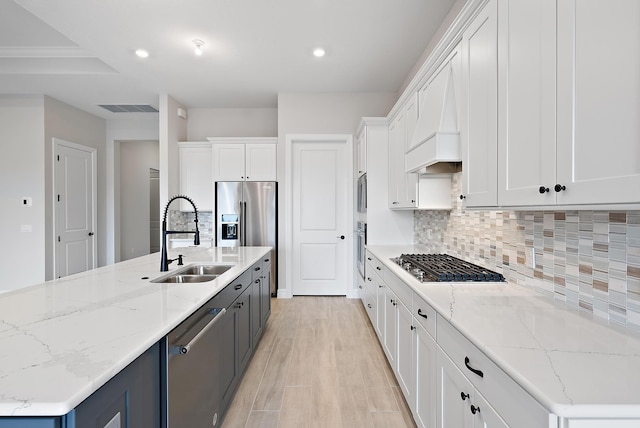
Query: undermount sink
194	273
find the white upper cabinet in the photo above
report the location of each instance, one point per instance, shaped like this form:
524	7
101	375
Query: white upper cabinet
361	152
403	187
527	113
244	159
571	137
196	175
479	123
598	153
260	162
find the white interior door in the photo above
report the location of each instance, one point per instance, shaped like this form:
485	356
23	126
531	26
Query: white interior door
75	208
320	201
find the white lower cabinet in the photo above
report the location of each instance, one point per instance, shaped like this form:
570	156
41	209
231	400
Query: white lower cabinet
446	380
390	343
405	365
425	366
460	404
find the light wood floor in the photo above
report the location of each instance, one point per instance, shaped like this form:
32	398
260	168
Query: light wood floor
319	364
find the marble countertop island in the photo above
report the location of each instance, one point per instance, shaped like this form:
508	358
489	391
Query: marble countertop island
575	365
62	340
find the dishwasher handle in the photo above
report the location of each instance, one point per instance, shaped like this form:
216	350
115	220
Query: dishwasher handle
184	349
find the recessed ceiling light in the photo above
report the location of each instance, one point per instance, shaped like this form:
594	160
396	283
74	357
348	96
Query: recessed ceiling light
318	52
142	53
199	43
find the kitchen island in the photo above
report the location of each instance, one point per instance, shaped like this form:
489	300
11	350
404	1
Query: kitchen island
62	340
573	369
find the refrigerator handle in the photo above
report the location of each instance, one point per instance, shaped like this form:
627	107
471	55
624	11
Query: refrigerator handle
243	226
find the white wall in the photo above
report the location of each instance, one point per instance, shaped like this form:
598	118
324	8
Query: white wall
76	126
122	130
172	130
231	122
136	157
22	255
317	114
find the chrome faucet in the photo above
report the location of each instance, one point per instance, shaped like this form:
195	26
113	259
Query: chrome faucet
164	261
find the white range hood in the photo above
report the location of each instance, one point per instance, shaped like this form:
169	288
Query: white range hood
436	137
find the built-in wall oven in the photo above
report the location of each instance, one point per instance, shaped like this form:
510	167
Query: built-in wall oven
361	240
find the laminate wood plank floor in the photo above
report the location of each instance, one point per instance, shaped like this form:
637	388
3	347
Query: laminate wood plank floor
319	364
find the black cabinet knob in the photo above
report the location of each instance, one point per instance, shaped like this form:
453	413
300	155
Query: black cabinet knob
543	190
464	396
474	409
559	188
462	197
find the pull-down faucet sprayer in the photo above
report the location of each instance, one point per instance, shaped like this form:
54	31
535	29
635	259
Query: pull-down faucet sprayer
164	261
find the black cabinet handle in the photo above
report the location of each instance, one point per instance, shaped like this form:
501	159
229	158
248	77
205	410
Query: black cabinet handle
462	197
421	314
238	287
559	188
266	260
475	371
257	269
543	190
464	396
369	258
474	409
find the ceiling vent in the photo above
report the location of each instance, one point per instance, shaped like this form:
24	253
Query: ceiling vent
129	108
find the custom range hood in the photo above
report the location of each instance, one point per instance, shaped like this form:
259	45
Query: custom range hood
436	139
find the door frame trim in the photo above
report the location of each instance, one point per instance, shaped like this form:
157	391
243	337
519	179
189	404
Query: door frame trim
290	140
57	142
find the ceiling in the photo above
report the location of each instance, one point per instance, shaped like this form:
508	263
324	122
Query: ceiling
81	52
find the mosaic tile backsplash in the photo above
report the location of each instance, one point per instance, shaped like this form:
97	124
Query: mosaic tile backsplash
184	220
586	259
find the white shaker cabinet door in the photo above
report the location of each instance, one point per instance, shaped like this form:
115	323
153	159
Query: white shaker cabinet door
228	162
260	162
455	395
598	102
527	102
479	126
425	354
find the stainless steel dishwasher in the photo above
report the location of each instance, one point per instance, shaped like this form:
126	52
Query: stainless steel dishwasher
192	370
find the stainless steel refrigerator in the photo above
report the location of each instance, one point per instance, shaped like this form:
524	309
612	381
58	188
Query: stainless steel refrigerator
246	215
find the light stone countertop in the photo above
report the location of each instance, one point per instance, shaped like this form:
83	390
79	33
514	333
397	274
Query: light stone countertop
62	340
572	363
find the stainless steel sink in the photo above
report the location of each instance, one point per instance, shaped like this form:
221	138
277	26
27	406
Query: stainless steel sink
205	269
180	279
193	274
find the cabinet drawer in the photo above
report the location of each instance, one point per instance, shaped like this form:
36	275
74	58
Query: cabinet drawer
233	290
425	314
256	270
374	265
512	402
402	290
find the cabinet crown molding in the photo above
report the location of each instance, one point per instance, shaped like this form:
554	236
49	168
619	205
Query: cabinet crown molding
243	140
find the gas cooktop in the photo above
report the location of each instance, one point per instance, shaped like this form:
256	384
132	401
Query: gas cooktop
444	268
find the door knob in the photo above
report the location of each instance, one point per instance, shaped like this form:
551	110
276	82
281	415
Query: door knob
90	233
341	236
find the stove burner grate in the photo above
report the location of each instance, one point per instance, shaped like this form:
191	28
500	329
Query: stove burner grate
445	268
